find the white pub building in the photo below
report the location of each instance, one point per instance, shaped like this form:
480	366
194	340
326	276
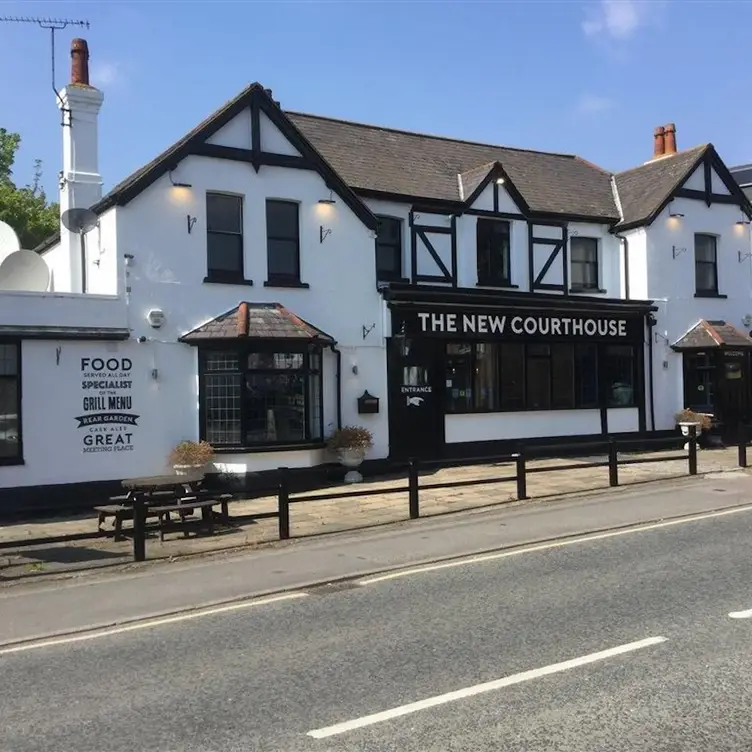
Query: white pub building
275	275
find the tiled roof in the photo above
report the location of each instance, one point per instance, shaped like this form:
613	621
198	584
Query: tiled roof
373	158
712	334
643	190
742	174
265	321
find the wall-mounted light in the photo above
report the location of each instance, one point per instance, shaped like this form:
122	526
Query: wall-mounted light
328	201
675	214
177	184
742	222
499	181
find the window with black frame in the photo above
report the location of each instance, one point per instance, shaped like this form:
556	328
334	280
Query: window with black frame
706	264
283	243
389	249
505	377
262	396
583	254
493	252
224	237
10	402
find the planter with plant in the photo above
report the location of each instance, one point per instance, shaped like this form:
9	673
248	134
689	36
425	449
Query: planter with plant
191	457
350	444
687	418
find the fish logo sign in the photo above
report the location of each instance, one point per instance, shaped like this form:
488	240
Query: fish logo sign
414	401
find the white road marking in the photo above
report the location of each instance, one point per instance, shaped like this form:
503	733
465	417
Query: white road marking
547	546
741	614
147	624
460	694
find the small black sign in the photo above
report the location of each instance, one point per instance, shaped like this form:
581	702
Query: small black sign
98	419
367	403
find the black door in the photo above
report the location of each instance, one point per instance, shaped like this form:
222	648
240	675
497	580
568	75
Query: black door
416	415
732	393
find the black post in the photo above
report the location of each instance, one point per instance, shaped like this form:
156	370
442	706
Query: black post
692	457
139	528
283	504
521	476
413	489
613	464
742	445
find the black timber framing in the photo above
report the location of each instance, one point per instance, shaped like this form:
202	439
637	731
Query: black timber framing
255	133
421	232
235	154
559	250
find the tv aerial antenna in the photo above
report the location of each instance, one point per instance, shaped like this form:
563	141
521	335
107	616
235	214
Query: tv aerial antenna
53	24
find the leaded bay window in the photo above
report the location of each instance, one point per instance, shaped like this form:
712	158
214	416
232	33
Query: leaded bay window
264	395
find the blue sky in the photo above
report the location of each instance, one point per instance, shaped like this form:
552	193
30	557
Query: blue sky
591	78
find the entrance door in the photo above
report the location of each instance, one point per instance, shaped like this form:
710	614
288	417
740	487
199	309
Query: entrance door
416	414
732	393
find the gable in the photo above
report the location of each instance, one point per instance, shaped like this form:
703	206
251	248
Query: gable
495	198
697	174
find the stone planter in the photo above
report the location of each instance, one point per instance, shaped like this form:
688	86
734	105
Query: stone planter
351	459
685	430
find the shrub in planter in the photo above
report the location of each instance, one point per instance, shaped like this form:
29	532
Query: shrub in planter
690	416
350	444
190	456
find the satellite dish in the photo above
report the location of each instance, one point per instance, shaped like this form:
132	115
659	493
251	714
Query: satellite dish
24	271
8	240
79	220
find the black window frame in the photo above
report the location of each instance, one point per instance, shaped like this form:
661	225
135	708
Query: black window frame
395	275
574	394
713	290
18	457
283	279
234	276
592	263
307	370
493	261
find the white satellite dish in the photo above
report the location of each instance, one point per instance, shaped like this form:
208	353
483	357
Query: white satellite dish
24	271
9	241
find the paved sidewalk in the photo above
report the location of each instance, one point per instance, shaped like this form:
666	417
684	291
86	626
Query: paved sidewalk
326	516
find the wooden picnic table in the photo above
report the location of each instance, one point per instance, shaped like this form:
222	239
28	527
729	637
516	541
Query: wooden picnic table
162	495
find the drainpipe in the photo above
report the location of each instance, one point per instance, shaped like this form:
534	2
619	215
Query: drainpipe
334	349
651	321
625	245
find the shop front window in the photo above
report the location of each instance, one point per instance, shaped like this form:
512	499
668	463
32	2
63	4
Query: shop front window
257	397
490	377
10	402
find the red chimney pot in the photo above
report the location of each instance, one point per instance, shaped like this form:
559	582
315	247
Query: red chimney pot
671	138
659	142
80	62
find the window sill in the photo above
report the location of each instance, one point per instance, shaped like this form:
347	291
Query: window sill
392	280
214	280
500	285
286	283
707	294
11	461
220	450
589	290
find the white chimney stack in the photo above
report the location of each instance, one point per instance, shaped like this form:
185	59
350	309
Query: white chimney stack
81	183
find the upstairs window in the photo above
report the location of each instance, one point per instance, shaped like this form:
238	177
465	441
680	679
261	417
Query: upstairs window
224	237
706	264
283	243
584	261
389	249
494	263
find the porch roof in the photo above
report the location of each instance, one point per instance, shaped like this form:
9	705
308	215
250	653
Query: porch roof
712	334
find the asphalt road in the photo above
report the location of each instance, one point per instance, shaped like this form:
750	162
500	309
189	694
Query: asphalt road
262	678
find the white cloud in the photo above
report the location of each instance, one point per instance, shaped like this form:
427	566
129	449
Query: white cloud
620	19
106	74
591	103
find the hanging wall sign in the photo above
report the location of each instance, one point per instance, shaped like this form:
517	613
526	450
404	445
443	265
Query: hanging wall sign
107	420
511	324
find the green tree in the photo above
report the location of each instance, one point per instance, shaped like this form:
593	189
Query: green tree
25	209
